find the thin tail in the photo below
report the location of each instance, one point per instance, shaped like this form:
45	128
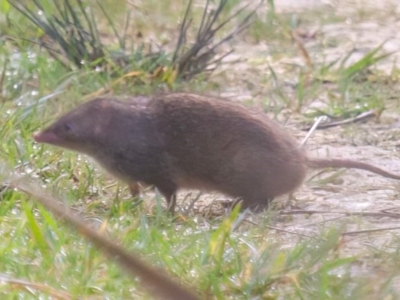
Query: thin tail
317	163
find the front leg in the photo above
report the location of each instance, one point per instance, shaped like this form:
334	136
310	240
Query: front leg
168	190
134	188
171	204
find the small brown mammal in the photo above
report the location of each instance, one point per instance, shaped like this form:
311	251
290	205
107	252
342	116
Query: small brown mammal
190	141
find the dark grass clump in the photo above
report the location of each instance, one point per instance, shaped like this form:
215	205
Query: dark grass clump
72	37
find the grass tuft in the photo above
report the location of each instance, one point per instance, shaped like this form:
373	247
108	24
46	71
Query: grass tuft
72	26
295	64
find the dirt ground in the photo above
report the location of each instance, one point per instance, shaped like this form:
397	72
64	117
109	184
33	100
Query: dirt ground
341	201
364	206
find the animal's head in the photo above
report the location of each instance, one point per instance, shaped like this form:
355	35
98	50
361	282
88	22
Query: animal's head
78	129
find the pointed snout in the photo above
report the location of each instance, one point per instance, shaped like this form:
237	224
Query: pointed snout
45	137
37	136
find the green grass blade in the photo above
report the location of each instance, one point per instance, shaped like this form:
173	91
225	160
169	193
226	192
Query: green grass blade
34	228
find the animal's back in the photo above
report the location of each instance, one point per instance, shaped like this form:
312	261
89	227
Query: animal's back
213	144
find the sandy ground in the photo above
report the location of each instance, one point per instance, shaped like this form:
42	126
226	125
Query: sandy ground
353	192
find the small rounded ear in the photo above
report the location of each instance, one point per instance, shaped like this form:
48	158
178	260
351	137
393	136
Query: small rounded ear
101	119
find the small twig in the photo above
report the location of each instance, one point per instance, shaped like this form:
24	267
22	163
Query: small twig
365	214
281	229
324	221
302	48
386	211
191	205
344	233
362	116
27	285
288	231
312	129
370	230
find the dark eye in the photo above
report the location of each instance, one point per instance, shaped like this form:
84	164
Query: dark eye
67	127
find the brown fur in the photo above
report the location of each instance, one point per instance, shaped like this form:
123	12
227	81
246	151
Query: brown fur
183	140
